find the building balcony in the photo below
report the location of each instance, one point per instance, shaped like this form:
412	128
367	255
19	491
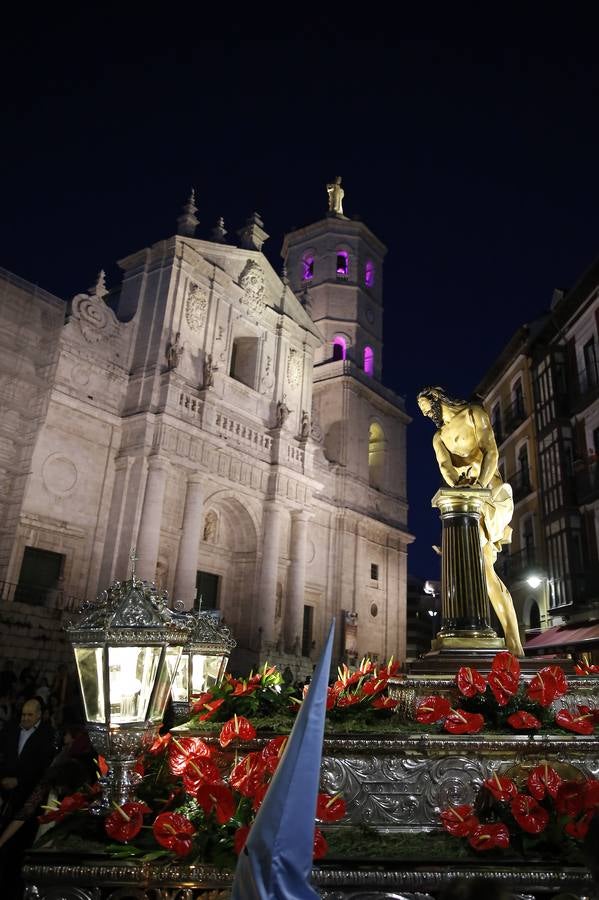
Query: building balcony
38	595
584	389
514	566
521	484
586	481
513	417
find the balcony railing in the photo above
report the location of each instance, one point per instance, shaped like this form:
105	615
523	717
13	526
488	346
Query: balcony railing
586	480
521	483
513	416
36	595
584	388
510	566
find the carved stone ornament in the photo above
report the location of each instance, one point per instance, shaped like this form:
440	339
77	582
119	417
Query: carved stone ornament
96	320
196	306
252	282
294	368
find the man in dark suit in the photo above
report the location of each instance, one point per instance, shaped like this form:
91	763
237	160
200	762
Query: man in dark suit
26	751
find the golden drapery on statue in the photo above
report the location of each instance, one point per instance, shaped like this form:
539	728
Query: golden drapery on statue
467	454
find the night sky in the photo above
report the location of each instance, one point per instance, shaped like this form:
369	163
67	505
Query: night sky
471	148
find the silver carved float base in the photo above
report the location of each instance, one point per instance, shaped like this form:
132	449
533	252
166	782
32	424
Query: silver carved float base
393	784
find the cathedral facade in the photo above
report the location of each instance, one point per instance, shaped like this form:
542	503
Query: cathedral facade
227	422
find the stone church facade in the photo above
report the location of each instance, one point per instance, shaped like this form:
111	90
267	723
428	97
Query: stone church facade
228	423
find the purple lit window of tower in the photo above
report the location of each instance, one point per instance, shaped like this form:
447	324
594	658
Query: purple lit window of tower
339	347
307	268
369	360
342	262
369	273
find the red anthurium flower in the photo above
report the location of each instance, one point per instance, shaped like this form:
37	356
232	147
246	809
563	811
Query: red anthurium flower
241	836
320	845
366	666
198	772
217	798
330	809
501	788
332	695
461	722
160	742
349	699
245	688
459	821
390	669
591	794
126	821
570	798
505	662
374	686
248	774
238	728
489	836
258	796
543	688
347	677
529	814
66	806
181	750
579	724
432	709
523	721
210	708
384	703
102	766
544	780
579	827
561	682
273	751
175	832
139	767
470	682
503	683
590	711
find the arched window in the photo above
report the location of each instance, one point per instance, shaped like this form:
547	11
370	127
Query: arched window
307	267
535	616
342	262
376	455
339	347
369	273
369	360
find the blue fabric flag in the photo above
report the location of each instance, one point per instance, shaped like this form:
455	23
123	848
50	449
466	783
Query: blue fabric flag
276	862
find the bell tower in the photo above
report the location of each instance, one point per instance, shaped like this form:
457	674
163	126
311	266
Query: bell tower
335	267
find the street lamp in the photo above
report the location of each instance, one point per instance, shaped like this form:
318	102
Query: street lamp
203	662
127	644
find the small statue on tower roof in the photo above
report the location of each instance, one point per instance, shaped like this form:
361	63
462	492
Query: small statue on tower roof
335	194
219	232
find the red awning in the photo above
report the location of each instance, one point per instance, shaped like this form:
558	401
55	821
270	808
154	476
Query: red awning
565	636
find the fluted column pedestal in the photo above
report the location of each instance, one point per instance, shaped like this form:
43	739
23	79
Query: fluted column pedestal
465	612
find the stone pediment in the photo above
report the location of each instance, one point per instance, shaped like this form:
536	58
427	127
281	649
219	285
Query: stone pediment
94	325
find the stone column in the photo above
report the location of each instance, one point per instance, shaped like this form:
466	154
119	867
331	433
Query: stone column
148	535
464	598
189	545
272	524
296	580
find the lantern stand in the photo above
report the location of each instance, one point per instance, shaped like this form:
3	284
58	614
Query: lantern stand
127	645
203	661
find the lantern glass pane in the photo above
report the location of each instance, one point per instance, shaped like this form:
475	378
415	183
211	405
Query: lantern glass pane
91	679
132	672
205	671
169	664
180	681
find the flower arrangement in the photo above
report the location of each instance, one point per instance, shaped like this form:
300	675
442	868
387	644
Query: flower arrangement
199	797
545	811
503	699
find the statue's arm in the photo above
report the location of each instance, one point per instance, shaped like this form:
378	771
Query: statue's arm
487	445
448	470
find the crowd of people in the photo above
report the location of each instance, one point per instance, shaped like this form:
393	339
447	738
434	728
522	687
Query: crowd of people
44	752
